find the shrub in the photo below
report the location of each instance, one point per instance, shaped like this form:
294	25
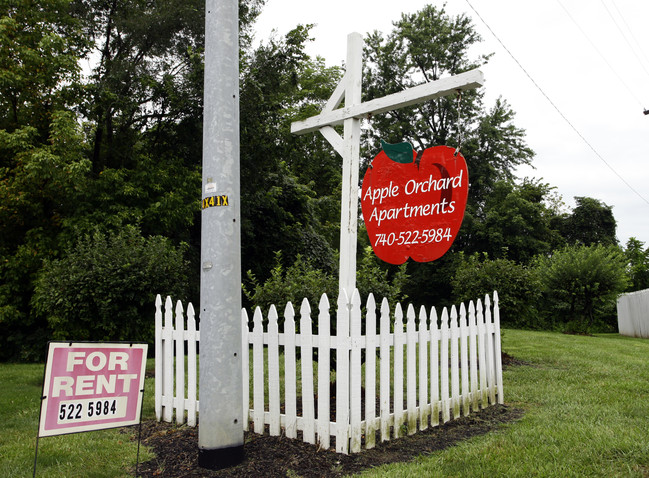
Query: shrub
104	287
517	285
580	285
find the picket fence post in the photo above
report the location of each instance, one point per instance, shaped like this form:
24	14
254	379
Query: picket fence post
158	357
342	374
290	385
384	371
424	409
434	368
370	373
498	351
192	339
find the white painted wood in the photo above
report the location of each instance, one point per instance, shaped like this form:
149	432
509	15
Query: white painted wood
384	370
191	368
423	338
179	339
411	370
491	366
273	372
399	342
482	354
306	359
324	374
168	353
258	374
158	358
443	366
473	357
415	95
455	364
430	354
350	165
464	360
355	374
370	373
498	350
245	368
434	369
290	372
342	374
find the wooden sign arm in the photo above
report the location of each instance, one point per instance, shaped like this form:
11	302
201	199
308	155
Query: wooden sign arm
415	95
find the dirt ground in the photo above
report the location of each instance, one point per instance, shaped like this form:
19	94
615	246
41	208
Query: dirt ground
176	449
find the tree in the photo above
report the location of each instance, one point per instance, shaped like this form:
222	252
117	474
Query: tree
42	165
580	285
637	257
516	223
591	222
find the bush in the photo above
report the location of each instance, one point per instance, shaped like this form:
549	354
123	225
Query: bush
104	287
580	285
517	285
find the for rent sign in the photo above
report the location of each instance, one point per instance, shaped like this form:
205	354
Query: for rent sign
91	386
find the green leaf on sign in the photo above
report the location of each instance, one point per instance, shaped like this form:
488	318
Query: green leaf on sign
399	152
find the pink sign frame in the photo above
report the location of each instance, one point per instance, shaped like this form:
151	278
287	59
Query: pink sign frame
92	386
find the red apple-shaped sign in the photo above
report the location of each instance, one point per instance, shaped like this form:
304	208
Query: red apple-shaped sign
414	209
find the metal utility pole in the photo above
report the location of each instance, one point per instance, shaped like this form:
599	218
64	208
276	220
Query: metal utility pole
220	434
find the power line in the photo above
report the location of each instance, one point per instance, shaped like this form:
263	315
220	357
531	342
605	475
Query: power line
630	32
599	53
625	38
555	106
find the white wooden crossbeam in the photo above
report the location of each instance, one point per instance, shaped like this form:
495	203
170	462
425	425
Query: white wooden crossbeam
416	95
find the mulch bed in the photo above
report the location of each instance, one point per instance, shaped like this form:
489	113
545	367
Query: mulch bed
176	448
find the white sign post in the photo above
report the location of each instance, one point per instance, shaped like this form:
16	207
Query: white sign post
348	147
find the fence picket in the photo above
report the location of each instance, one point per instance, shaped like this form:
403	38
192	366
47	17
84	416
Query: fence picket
482	358
324	374
179	339
443	366
491	370
192	376
306	356
424	408
355	377
464	361
455	372
290	372
434	369
411	370
384	370
473	356
370	373
168	354
273	373
342	374
498	350
399	341
158	357
258	398
464	350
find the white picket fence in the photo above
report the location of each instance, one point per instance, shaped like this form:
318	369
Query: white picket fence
447	369
633	314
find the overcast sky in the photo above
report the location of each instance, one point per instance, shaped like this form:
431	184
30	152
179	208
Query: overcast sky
589	57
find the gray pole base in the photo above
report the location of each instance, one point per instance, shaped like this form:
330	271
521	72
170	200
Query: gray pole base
220	458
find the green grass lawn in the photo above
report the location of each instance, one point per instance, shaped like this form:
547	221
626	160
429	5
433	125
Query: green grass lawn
586	402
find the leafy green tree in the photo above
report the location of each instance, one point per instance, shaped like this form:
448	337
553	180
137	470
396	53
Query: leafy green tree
42	166
580	285
104	287
290	185
591	222
516	223
637	257
518	287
